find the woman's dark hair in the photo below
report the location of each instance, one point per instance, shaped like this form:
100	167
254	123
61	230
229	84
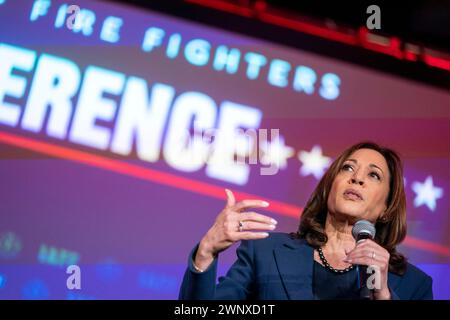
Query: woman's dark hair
391	228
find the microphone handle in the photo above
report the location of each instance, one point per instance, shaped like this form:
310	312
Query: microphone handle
364	292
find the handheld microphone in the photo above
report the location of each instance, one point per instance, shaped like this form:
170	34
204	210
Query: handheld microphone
363	229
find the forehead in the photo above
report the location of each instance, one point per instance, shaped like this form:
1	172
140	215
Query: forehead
369	156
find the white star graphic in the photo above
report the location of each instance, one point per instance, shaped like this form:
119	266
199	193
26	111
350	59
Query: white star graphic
276	153
313	162
426	193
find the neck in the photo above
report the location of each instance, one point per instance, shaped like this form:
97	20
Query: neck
339	233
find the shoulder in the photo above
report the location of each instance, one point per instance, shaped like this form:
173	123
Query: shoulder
414	284
416	275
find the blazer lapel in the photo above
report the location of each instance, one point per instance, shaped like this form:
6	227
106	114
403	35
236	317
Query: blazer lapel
295	264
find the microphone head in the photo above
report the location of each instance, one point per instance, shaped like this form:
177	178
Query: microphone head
363	229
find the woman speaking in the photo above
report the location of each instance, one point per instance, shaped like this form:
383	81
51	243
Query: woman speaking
322	260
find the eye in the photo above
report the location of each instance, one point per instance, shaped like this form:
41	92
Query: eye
375	175
347	167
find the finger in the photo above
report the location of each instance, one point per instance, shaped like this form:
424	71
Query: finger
378	252
352	259
364	242
231	201
367	251
369	243
250	225
370	254
248	235
250	204
257	217
362	251
365	261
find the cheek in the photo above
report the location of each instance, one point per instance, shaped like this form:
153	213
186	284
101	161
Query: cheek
380	198
332	196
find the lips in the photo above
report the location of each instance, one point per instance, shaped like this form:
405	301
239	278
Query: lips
353	194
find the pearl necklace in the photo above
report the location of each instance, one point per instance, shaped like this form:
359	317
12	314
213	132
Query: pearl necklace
329	267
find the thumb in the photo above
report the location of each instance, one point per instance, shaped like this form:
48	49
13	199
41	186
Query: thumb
230	198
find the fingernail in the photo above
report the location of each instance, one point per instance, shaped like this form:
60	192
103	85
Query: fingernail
272	226
265	203
273	221
265	234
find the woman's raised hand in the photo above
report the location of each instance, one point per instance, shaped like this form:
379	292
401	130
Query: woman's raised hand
233	224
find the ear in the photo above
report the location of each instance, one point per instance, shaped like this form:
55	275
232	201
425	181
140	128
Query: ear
383	217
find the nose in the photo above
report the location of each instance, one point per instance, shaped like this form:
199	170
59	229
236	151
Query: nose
356	179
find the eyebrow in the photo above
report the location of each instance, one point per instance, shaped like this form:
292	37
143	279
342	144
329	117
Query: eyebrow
370	165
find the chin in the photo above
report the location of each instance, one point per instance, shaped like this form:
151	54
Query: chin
350	210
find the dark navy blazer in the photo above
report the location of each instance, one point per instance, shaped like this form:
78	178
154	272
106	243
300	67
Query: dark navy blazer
280	267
